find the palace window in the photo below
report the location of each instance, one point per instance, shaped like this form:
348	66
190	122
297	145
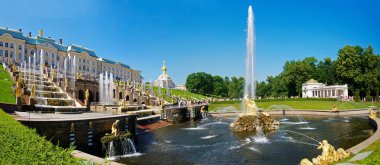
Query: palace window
11	55
11	46
26	51
32	52
84	60
6	44
1	52
88	68
19	56
1	43
84	67
20	47
6	53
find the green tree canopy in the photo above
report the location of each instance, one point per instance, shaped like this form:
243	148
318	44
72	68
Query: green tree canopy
200	82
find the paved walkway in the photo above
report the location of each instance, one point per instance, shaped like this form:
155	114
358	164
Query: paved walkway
154	126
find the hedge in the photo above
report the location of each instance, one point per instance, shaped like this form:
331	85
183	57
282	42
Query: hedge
274	100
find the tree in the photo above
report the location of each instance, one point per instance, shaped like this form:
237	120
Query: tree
295	74
325	72
348	66
358	68
200	82
236	87
220	87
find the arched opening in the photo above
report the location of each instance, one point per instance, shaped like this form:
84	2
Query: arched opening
127	98
134	100
81	95
91	98
120	95
113	93
97	96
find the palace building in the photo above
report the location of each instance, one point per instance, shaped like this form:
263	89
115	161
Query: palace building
16	48
313	89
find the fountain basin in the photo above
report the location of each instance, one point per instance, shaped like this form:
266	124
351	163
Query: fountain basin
211	141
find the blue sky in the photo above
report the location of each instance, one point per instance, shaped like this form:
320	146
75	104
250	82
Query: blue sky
200	35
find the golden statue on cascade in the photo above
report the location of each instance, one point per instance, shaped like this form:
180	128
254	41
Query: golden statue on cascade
328	155
249	105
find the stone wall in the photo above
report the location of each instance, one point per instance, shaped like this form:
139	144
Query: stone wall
184	114
10	108
58	131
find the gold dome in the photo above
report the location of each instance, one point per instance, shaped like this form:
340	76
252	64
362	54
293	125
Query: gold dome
163	68
312	81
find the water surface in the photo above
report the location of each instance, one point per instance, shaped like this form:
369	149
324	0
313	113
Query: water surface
211	142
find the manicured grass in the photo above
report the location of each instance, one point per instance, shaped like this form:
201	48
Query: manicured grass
22	145
182	93
312	104
6	92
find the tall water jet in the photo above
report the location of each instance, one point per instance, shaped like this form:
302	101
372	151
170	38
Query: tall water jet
34	66
30	65
252	120
101	87
64	68
249	87
73	74
111	94
41	65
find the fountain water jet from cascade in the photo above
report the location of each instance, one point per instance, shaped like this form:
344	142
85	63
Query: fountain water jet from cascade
252	120
249	87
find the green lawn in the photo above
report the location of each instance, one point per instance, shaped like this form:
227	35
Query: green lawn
22	145
305	104
6	92
176	92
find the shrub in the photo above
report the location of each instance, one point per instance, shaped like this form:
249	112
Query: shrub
22	145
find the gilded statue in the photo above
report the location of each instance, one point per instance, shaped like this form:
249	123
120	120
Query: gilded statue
372	113
18	89
43	67
115	128
14	67
79	76
328	155
32	91
122	104
335	108
250	104
53	74
87	94
66	83
19	78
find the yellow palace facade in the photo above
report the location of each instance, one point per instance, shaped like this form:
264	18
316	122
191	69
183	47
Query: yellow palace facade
16	48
